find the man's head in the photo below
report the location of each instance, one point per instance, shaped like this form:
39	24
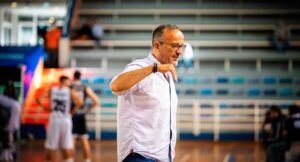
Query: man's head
10	90
168	44
77	75
54	23
64	81
275	112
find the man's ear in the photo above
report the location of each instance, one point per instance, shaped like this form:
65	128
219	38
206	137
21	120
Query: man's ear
156	45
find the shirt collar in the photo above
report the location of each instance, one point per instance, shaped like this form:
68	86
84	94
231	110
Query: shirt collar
152	58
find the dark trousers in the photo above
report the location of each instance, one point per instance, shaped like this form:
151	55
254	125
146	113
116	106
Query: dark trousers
134	157
52	61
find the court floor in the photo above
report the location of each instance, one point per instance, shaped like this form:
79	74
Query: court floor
186	151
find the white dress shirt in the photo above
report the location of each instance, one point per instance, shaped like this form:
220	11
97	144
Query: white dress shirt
146	115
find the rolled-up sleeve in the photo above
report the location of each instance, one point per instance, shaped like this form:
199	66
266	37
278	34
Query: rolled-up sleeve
129	67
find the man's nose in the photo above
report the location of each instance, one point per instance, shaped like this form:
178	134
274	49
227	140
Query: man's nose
179	51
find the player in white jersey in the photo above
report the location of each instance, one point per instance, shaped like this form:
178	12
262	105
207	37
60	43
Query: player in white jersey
59	132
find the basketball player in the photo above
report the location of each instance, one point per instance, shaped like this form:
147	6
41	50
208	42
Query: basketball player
59	132
79	121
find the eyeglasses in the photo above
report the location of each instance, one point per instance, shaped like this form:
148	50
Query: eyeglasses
175	46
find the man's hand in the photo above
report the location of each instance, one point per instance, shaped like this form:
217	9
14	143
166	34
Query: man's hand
163	68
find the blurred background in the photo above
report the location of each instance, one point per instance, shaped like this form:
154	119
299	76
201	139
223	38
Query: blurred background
246	58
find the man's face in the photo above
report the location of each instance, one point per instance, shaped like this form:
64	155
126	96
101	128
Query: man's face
67	83
274	114
171	46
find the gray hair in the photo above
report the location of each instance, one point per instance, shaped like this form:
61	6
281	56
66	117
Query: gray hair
159	31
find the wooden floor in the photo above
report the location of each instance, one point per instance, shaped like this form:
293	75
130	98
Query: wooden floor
186	151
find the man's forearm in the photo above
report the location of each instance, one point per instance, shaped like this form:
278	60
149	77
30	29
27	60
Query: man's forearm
126	80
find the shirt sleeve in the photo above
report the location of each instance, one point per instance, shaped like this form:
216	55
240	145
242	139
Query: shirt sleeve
129	67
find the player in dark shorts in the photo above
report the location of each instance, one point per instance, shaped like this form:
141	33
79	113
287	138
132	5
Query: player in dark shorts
79	121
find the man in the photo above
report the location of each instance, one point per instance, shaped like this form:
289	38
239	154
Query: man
147	103
52	45
293	134
79	121
277	143
281	37
59	132
10	111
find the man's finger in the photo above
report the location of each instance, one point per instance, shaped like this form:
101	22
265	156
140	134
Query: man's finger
174	74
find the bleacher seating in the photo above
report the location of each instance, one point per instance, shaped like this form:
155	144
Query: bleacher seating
285	81
286	92
238	93
99	80
237	80
222	80
253	92
229	88
270	80
243	26
206	92
253	80
270	92
222	92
